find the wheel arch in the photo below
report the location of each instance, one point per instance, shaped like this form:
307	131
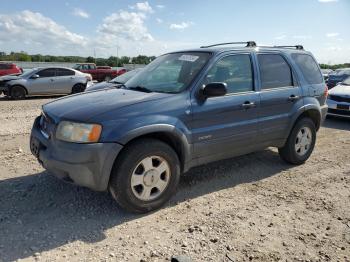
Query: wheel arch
22	86
168	135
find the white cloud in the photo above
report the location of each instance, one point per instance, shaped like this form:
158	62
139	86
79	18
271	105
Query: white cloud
27	30
280	37
180	26
128	25
80	13
332	34
159	21
143	7
302	37
160	6
327	1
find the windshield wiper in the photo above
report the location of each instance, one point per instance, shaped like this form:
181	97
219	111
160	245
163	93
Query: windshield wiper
141	89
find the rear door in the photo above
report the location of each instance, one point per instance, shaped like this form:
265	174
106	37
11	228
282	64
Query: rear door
64	81
226	126
43	84
280	95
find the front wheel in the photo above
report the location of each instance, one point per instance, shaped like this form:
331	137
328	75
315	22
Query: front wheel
18	92
300	142
145	176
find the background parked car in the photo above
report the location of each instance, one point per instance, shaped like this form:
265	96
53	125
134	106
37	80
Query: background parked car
115	82
99	73
45	81
9	69
338	76
325	73
339	99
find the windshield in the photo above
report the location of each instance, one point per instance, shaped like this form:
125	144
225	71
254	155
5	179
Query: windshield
28	73
170	73
122	79
346	82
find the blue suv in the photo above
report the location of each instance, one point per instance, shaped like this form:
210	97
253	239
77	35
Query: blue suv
183	110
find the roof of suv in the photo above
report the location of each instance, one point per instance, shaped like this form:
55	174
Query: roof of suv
250	45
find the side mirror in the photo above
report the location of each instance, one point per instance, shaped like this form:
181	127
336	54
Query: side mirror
35	76
214	89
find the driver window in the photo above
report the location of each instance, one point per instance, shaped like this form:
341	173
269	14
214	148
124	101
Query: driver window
50	72
235	71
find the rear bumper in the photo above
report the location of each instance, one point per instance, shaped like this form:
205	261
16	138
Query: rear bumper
87	165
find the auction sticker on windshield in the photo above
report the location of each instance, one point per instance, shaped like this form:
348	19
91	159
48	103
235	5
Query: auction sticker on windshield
188	58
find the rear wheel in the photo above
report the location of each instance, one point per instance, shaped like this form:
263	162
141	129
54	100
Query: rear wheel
300	142
145	176
18	92
78	88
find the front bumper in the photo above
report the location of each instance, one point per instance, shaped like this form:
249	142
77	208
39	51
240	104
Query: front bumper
87	165
333	109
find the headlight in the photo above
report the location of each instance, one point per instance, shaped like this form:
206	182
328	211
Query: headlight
78	132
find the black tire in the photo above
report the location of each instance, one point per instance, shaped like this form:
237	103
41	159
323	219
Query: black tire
120	182
288	152
78	88
18	92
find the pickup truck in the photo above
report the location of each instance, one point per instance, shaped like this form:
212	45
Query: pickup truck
99	73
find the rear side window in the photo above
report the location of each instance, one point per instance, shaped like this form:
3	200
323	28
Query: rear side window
65	72
5	66
309	68
235	71
274	71
47	73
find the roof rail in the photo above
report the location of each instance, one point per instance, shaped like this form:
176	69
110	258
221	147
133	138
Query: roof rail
248	44
298	47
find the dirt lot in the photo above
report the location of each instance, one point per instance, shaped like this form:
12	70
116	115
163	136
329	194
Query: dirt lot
251	208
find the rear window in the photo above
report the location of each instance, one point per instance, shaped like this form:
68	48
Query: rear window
274	71
309	68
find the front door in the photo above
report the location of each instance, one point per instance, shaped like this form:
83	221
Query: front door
44	83
226	126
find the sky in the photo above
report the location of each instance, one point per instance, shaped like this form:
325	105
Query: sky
124	27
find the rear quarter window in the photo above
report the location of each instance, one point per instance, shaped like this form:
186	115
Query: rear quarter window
309	68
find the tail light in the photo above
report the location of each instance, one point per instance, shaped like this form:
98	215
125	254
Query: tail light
89	77
325	91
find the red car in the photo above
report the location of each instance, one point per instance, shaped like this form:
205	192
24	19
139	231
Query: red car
9	69
99	73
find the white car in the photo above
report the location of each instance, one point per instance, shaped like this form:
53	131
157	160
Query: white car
45	81
339	99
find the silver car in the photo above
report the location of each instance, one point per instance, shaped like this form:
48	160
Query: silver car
45	81
339	99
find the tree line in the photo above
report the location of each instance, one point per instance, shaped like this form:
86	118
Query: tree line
111	61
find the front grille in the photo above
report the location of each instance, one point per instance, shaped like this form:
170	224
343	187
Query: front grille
339	112
339	98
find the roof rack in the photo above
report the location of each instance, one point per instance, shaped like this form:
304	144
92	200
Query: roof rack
248	44
298	47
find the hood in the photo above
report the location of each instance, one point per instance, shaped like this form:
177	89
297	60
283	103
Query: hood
9	78
85	106
340	90
100	86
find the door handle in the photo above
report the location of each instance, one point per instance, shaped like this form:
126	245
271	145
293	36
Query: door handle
293	98
248	104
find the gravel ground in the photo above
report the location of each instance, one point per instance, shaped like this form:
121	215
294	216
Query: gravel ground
250	208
